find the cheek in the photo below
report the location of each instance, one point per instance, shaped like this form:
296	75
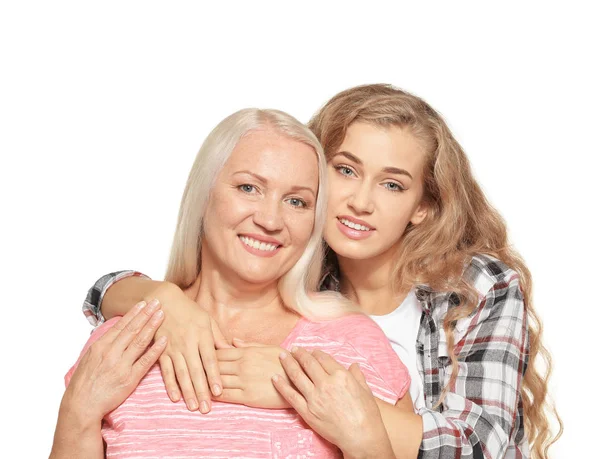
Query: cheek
339	188
393	218
228	208
301	227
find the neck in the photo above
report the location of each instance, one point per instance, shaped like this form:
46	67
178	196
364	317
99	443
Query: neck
217	294
369	283
241	309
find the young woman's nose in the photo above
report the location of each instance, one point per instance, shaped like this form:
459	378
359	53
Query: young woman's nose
360	201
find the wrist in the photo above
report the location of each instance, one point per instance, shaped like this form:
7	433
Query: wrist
373	442
73	418
75	439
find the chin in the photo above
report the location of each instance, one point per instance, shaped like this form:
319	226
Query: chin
354	251
258	276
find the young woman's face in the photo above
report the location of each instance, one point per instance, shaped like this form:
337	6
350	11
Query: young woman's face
262	208
375	190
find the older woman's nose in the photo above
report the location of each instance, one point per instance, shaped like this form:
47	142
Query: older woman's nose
269	217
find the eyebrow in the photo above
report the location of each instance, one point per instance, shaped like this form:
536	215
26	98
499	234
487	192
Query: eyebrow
264	181
387	170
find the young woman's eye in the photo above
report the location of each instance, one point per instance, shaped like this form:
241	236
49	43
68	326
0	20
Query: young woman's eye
297	202
344	170
392	186
246	188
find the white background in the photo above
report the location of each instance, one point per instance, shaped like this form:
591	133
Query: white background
103	106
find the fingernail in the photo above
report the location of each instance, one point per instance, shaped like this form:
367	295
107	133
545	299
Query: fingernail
140	305
283	355
174	394
216	389
153	304
162	340
275	378
204	407
192	404
158	315
294	349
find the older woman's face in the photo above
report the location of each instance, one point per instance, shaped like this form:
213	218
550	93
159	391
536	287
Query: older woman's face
262	208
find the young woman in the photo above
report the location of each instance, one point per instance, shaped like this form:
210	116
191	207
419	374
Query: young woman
248	236
412	239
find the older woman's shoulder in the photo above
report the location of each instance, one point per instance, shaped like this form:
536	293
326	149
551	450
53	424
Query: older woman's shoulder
352	328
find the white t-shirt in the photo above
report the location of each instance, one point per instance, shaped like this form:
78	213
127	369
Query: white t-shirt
401	327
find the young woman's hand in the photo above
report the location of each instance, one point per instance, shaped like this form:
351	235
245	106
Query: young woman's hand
246	372
189	363
113	366
335	402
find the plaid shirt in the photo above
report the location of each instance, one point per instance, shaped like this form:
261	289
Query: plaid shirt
482	413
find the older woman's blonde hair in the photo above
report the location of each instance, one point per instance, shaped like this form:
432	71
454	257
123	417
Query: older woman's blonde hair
296	285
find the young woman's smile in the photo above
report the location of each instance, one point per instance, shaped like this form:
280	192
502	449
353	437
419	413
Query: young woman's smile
354	228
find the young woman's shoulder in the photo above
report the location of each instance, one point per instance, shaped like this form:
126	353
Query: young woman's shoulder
500	311
487	273
499	297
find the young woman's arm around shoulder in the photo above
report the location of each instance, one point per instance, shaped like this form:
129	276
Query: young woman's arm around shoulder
479	415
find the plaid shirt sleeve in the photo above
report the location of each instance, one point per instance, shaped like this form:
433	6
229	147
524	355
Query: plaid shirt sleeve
93	300
482	414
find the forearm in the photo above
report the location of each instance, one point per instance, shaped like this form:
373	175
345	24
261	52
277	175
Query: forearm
74	439
404	427
124	294
381	450
378	444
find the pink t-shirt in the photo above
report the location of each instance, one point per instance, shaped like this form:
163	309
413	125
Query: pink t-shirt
148	425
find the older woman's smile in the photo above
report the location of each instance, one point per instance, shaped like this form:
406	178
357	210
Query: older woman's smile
262	246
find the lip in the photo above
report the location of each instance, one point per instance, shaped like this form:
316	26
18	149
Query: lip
352	233
261	238
355	220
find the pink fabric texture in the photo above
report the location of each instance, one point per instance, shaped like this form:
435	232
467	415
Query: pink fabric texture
148	425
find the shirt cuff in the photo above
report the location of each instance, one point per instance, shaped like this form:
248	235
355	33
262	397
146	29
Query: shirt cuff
93	301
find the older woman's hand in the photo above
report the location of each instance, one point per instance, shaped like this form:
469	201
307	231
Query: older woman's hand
335	402
113	366
246	371
189	363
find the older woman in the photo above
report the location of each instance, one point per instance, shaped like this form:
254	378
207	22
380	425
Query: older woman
246	248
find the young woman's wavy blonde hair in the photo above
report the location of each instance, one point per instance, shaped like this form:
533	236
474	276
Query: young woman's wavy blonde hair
460	224
297	285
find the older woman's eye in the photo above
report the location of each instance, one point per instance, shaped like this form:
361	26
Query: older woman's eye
246	188
344	170
297	202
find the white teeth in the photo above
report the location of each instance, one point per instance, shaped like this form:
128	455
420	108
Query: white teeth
257	244
354	226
